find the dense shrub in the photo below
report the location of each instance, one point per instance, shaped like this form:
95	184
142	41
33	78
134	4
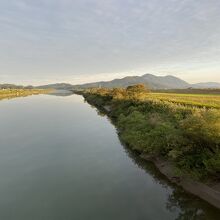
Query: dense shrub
188	136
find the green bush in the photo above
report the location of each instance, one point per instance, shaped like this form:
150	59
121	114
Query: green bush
188	136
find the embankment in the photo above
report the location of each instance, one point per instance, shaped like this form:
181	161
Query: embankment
171	136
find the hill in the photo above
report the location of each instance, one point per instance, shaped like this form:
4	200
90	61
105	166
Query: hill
58	86
152	81
13	86
210	85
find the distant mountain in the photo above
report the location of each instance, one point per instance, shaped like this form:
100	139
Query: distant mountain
210	85
13	86
152	81
58	86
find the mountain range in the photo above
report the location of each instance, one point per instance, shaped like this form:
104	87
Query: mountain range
151	81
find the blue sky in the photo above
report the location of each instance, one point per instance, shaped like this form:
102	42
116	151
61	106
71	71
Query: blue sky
46	41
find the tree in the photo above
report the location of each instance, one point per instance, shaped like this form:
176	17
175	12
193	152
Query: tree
118	93
137	91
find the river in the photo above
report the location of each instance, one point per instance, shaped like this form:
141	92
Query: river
61	159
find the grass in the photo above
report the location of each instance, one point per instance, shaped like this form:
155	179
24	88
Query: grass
13	93
196	100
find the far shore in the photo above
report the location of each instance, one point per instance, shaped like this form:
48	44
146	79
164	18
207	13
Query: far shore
13	93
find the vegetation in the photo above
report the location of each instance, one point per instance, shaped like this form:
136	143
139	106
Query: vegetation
12	93
190	91
194	100
182	128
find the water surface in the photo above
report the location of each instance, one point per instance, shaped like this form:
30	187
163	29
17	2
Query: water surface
60	159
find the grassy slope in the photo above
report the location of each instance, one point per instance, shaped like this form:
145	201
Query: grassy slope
168	125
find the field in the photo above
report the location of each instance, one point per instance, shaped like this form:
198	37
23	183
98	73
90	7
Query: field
197	100
12	93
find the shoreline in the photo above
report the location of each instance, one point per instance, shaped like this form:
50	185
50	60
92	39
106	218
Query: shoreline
14	93
203	191
210	194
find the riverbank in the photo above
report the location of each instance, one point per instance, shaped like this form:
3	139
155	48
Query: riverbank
131	118
210	193
13	93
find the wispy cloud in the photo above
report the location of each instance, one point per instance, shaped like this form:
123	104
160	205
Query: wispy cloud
65	38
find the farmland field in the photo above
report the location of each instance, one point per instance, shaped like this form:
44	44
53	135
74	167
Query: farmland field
197	100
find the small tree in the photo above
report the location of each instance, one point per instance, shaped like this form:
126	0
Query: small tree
118	93
137	91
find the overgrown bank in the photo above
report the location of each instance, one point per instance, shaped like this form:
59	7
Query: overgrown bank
13	93
187	137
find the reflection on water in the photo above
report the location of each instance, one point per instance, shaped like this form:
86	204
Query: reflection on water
59	159
189	207
61	92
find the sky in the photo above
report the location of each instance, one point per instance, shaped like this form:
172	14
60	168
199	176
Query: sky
77	41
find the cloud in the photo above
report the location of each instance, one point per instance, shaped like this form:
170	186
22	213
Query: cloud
68	38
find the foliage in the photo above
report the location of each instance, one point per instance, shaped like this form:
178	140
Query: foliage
136	92
192	100
187	134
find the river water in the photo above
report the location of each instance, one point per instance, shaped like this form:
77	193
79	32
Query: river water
61	159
